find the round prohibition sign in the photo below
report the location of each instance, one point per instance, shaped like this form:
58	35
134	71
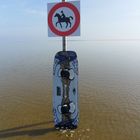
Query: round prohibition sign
77	19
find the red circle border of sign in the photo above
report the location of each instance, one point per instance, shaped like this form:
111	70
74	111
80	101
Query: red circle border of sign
77	19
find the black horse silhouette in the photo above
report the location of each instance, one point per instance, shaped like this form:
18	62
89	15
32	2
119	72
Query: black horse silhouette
61	19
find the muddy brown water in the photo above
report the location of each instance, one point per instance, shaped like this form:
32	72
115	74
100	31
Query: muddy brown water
109	91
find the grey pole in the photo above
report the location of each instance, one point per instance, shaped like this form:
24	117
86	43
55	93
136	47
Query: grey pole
64	38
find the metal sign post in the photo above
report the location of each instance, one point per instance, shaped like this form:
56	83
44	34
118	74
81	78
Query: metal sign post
64	20
64	39
64	43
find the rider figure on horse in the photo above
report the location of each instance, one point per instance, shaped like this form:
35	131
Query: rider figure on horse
63	15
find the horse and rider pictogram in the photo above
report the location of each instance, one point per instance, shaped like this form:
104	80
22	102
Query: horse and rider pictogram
64	19
61	18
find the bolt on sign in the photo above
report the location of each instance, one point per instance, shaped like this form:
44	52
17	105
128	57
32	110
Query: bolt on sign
64	19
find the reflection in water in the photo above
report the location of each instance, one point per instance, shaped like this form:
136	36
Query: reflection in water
24	126
20	131
108	91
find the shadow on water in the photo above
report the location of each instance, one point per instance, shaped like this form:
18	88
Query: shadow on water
17	131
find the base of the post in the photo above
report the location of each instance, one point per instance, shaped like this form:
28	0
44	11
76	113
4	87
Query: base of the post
65	126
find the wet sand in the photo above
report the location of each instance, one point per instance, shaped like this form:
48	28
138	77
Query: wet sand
109	87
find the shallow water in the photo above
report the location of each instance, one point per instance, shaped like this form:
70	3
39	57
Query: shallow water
109	87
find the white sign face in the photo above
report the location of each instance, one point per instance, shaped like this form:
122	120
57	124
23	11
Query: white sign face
64	19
